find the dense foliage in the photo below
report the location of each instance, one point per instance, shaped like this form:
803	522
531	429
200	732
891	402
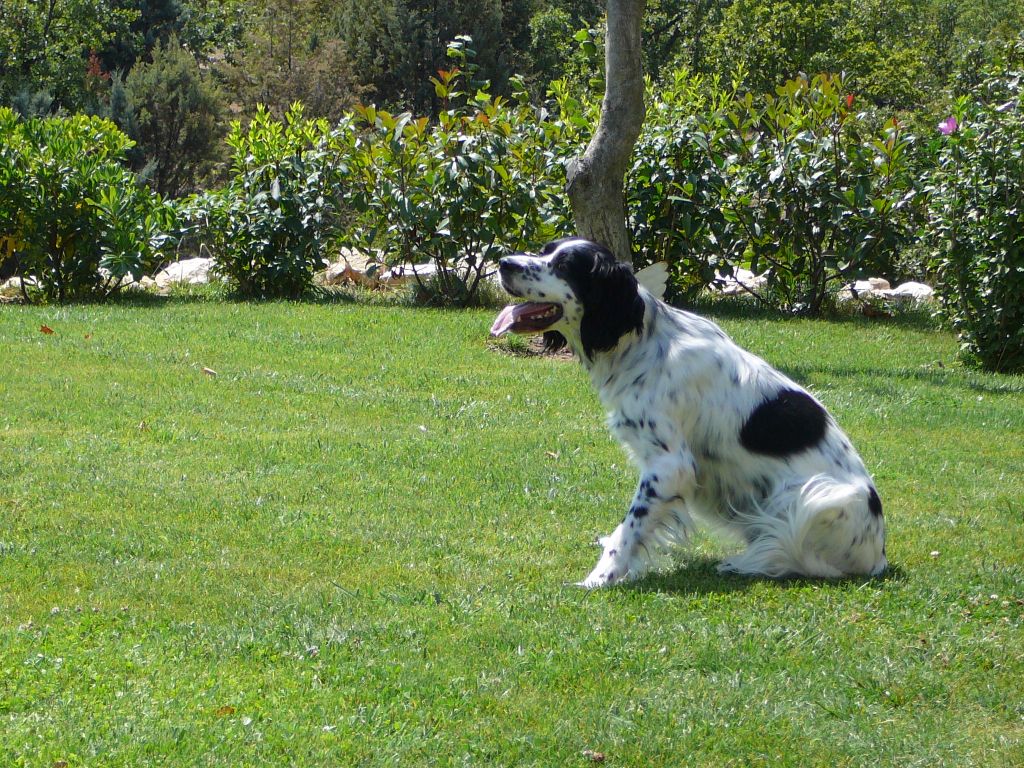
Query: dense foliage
49	47
481	182
271	224
799	186
71	214
174	115
781	138
330	55
976	224
396	45
455	194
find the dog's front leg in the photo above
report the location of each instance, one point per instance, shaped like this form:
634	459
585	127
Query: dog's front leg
659	506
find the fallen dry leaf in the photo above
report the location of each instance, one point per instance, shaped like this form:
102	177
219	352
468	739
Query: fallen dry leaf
88	336
224	711
209	371
60	764
46	329
594	757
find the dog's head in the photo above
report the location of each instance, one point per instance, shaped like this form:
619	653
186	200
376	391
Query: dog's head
575	290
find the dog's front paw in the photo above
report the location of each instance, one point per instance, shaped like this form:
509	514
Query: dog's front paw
607	572
615	564
598	579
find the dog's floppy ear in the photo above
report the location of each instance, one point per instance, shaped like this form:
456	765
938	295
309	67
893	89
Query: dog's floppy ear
612	306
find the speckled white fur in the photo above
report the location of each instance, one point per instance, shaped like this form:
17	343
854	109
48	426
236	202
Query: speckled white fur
679	395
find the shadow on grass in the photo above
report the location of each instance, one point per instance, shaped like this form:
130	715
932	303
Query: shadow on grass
960	378
917	317
402	297
219	294
699	576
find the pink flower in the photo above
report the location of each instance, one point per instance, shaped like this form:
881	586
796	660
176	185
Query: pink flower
948	126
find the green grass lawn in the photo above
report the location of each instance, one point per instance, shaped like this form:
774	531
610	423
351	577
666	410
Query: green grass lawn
351	547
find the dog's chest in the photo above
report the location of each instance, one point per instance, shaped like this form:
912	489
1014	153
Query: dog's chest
648	426
647	409
661	393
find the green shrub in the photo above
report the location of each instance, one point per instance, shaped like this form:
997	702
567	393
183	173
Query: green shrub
69	208
676	184
174	113
976	222
486	178
481	182
12	190
270	226
798	186
46	47
822	195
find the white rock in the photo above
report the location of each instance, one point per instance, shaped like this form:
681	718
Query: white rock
192	271
146	283
740	281
912	291
335	274
11	288
864	289
879	288
403	274
861	288
127	283
354	267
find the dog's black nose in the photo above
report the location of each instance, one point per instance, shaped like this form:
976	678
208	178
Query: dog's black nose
507	266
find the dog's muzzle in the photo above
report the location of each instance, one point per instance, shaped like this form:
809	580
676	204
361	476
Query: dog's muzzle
528	317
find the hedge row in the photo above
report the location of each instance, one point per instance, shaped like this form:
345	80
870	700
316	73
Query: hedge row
802	186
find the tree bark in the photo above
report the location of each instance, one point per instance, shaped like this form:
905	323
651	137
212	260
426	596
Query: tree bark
596	180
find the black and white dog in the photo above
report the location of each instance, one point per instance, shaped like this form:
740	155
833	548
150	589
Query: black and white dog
718	434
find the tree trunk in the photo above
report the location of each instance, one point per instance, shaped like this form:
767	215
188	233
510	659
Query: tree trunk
595	181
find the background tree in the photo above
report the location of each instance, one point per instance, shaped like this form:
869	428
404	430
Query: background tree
175	113
153	22
771	41
291	55
397	45
898	53
595	180
678	33
45	45
552	54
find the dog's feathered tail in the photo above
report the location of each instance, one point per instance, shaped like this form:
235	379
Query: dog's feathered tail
821	529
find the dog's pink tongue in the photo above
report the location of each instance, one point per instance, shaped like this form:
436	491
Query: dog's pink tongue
504	321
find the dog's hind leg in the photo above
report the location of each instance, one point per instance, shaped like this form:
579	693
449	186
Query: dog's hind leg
824	529
657	517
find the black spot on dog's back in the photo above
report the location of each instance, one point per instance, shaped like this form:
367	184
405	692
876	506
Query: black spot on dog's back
874	503
790	422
